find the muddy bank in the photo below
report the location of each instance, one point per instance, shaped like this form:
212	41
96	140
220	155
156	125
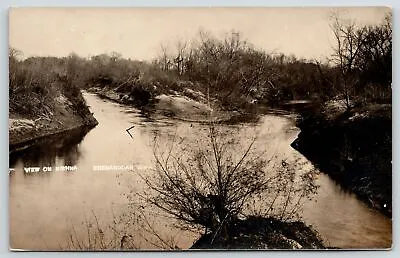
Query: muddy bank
264	233
353	146
177	106
25	131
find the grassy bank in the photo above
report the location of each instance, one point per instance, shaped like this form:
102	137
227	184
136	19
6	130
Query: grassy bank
43	102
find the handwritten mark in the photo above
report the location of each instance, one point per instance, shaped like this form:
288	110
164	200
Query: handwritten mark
127	130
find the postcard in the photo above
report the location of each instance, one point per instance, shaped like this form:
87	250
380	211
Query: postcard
200	128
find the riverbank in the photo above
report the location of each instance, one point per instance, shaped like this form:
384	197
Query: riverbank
264	233
354	147
65	116
179	106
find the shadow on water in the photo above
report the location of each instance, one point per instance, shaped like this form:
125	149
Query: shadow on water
46	152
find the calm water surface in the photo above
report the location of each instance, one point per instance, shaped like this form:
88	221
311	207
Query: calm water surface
46	207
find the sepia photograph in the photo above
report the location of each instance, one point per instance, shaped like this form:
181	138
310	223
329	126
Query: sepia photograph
200	128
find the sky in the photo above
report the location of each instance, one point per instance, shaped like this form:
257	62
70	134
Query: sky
137	33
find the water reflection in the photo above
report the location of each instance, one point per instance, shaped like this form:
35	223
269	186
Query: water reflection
62	147
54	201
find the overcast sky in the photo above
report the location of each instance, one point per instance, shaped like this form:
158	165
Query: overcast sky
138	32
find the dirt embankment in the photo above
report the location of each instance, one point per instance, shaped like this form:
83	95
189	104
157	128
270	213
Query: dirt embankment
353	146
24	131
176	105
263	233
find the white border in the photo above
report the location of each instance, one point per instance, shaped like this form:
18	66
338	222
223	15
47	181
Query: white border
5	4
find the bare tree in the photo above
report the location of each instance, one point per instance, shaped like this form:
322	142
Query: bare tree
164	58
13	55
349	41
180	56
363	57
375	59
207	185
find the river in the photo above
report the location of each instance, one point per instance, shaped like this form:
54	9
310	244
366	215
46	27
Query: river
47	209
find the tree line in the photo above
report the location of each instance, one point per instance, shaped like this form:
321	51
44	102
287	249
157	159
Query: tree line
232	70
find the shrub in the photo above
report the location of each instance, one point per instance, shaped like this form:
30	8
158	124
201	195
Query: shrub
210	184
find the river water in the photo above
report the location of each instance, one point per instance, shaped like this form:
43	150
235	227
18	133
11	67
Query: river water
47	209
